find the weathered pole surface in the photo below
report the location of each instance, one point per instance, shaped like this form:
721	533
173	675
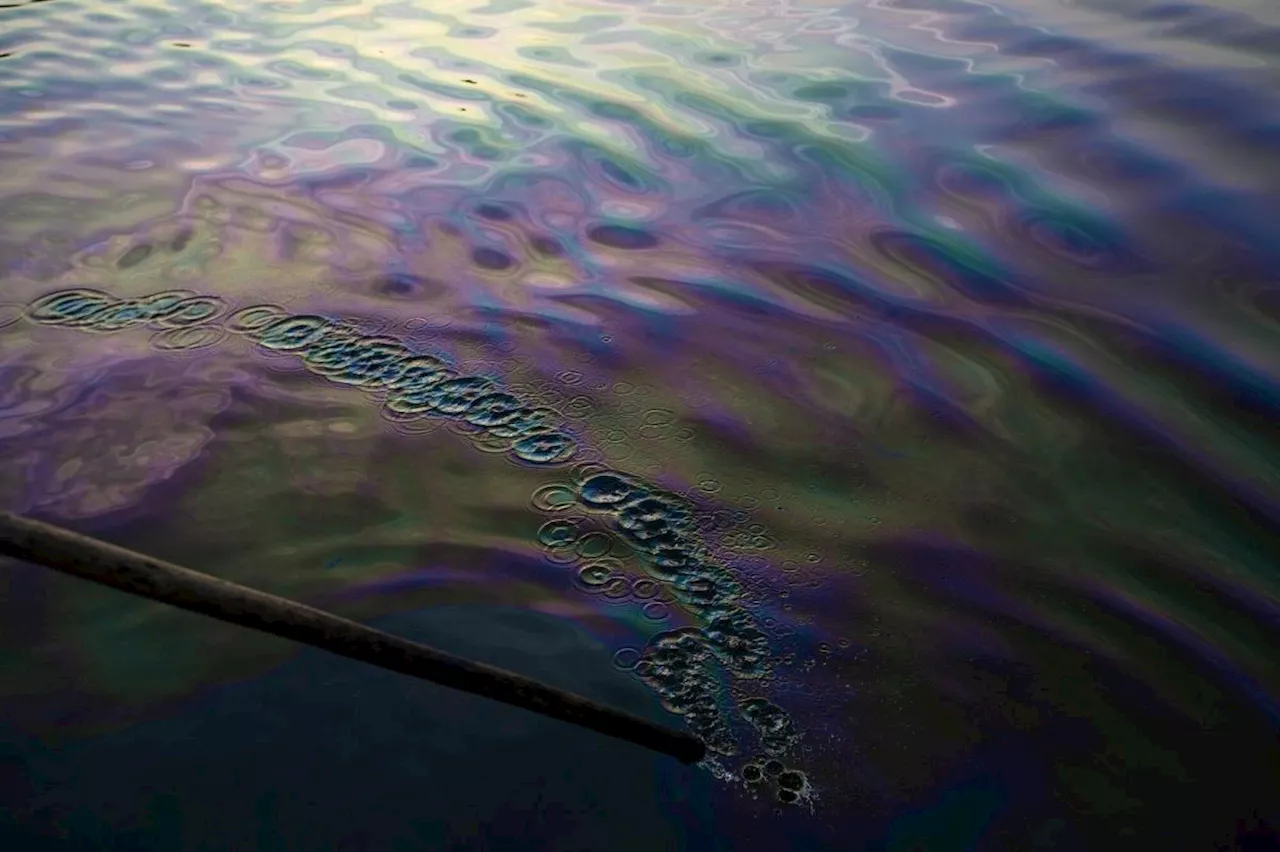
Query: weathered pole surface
138	574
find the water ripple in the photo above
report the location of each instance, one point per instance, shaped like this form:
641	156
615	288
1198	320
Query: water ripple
890	385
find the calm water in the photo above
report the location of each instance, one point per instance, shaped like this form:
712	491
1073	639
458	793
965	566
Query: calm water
885	390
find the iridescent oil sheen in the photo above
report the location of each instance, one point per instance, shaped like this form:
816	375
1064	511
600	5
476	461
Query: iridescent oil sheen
889	390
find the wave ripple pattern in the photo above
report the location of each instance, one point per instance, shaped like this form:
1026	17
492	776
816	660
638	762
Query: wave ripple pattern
890	386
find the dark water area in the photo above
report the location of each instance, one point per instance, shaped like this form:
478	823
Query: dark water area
885	392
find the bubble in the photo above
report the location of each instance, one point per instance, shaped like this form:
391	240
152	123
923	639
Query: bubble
528	421
606	490
68	307
595	575
455	396
419	373
488	444
645	589
190	312
117	317
579	407
557	533
495	409
293	333
659	417
793	780
752	773
617	588
773	726
585	470
626	658
788	797
554	498
333	351
399	405
188	339
376	363
563	554
253	318
551	448
593	545
655	611
773	768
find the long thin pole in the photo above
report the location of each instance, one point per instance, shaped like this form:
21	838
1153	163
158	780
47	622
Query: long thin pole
128	571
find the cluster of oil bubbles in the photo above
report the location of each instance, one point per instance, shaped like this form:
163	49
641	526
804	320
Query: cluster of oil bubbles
789	785
689	667
412	384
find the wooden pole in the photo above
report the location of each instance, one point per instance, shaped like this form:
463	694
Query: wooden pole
91	559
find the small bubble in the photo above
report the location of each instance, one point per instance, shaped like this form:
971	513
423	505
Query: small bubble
585	470
792	779
659	417
593	545
752	773
188	339
293	333
645	589
655	611
254	318
626	658
563	554
570	377
595	575
605	490
617	588
579	407
71	307
550	448
624	388
557	533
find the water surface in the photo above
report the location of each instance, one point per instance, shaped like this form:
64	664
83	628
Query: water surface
886	391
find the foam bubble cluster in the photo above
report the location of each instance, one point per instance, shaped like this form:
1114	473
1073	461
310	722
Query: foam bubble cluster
413	384
688	667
